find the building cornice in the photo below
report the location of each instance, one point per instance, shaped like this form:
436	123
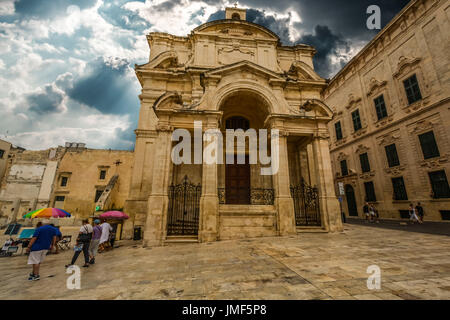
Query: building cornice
385	34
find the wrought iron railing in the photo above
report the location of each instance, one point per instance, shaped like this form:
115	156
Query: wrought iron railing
306	205
184	208
258	196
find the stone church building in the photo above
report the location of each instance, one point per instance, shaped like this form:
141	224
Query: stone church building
379	129
231	74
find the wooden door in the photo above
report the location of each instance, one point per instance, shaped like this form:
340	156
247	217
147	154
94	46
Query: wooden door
237	183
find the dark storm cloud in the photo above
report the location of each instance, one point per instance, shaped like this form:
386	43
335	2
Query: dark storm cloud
347	17
106	87
48	101
278	26
48	8
114	13
331	26
327	44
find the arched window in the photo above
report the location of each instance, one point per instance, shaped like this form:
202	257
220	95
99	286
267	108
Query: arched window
235	16
237	123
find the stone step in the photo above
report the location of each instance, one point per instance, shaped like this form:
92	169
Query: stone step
246	210
308	229
181	239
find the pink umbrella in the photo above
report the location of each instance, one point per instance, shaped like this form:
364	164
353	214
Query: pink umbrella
114	215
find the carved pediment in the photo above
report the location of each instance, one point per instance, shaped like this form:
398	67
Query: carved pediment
320	108
361	149
302	71
352	101
243	66
404	64
342	156
235	53
168	101
375	86
235	28
423	125
389	139
164	60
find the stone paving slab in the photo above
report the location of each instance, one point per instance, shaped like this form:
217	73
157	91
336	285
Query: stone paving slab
307	266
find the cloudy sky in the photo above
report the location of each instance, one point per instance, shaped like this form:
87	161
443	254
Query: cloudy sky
66	67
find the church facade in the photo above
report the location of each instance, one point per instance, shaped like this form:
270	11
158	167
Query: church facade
229	75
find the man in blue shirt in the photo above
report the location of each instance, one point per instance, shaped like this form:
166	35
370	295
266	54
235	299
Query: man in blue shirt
44	239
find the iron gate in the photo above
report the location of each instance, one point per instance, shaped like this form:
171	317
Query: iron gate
184	208
306	205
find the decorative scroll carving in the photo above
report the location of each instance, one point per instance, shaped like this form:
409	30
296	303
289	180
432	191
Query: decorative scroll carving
395	171
434	163
352	101
375	86
405	64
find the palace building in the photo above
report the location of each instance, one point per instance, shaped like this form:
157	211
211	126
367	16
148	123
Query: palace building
390	132
231	74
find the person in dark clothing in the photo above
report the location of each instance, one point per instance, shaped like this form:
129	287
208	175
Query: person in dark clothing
366	211
419	210
84	239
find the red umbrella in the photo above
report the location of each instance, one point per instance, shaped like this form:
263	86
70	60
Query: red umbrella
114	215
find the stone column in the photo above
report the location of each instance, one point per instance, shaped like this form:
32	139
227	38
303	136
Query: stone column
283	200
155	226
209	201
329	205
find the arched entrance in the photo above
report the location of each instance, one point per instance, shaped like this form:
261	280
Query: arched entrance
242	183
351	201
237	176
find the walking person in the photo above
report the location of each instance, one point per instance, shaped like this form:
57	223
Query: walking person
44	238
58	237
366	211
373	213
84	239
412	214
95	242
104	239
420	213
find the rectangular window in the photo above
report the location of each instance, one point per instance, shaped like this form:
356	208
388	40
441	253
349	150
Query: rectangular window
356	120
102	174
64	181
429	146
392	156
370	191
365	165
98	194
380	107
338	129
445	214
2	152
399	189
344	169
439	184
60	198
412	89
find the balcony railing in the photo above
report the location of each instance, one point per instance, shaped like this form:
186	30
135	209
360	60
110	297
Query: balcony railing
258	196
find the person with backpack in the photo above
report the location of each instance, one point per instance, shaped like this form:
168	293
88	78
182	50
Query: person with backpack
84	240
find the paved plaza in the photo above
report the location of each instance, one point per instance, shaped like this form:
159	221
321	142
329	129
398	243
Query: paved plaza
307	266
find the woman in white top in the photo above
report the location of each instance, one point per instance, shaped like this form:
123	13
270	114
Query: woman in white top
106	229
412	213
